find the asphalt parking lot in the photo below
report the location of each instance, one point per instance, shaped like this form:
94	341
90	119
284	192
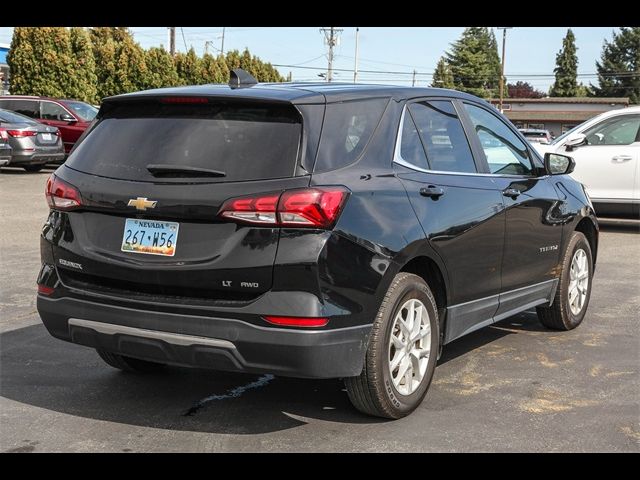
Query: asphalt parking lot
513	386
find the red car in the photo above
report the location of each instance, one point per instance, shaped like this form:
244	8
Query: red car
72	117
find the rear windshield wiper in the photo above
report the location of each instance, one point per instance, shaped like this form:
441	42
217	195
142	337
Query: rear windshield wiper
165	170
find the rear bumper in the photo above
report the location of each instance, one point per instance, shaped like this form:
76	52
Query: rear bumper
37	158
207	342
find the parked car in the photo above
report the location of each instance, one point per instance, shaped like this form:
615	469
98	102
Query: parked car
72	117
33	144
606	150
5	148
536	136
308	230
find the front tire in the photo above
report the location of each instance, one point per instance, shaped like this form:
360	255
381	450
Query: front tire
129	364
574	287
402	352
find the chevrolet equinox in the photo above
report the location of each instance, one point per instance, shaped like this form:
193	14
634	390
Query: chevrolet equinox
308	230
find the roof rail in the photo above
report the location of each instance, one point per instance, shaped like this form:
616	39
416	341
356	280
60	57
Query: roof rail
239	78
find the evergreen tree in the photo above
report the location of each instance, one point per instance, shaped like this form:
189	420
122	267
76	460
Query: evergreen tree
442	77
161	70
212	71
566	70
619	66
84	86
41	61
189	68
472	61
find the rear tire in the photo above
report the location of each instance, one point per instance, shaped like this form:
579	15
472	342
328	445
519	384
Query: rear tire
129	364
574	287
402	352
33	168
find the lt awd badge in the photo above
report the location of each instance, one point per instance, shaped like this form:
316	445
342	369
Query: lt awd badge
141	203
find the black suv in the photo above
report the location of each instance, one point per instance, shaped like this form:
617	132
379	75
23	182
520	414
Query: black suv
308	230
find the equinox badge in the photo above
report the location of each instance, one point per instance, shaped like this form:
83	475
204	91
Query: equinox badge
141	203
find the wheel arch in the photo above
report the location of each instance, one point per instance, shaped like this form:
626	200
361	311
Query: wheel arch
588	227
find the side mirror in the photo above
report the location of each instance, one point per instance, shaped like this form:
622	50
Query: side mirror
575	140
557	164
68	118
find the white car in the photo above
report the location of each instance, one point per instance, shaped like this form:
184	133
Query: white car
606	149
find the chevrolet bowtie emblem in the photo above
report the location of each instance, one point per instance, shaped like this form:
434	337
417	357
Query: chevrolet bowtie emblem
141	203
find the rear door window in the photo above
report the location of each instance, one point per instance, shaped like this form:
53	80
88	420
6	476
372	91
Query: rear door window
30	108
244	141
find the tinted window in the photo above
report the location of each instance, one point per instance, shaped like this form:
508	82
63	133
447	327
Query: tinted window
347	129
7	116
621	130
52	111
443	137
30	108
247	142
505	152
85	111
411	149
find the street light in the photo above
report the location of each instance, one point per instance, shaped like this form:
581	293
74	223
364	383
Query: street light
504	42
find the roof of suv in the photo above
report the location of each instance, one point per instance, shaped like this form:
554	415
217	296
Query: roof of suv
300	92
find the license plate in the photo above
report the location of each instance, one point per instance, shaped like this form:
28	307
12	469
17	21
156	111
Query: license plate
47	137
150	236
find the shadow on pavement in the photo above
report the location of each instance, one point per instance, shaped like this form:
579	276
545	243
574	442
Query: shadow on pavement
21	171
39	370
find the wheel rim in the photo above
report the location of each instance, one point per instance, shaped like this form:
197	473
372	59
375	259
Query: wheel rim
578	281
409	346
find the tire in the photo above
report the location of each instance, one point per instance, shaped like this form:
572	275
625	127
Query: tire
374	391
33	168
129	364
561	315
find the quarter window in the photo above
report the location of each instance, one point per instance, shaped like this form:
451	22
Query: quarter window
621	130
52	111
443	137
506	153
411	148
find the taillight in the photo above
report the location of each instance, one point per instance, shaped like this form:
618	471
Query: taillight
297	321
44	290
62	195
308	207
22	133
184	100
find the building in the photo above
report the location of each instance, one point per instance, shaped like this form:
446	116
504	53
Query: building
4	69
556	114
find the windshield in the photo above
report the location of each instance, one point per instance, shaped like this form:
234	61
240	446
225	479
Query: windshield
244	142
85	111
564	135
7	116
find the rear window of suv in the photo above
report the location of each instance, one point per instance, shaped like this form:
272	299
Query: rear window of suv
245	141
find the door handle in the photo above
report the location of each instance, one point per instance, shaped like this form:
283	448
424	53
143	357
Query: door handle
622	158
511	192
432	191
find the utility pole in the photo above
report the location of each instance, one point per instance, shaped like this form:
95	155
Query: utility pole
222	46
355	68
172	41
413	82
331	36
504	43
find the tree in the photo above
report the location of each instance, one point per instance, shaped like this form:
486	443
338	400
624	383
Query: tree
619	66
442	77
161	70
41	62
212	69
189	68
474	62
566	70
523	90
84	81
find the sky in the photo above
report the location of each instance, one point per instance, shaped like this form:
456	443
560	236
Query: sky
386	54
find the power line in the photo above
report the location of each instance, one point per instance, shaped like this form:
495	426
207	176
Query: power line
184	40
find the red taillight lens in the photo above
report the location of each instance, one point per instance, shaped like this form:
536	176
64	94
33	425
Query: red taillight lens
309	207
44	290
62	195
22	133
297	321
